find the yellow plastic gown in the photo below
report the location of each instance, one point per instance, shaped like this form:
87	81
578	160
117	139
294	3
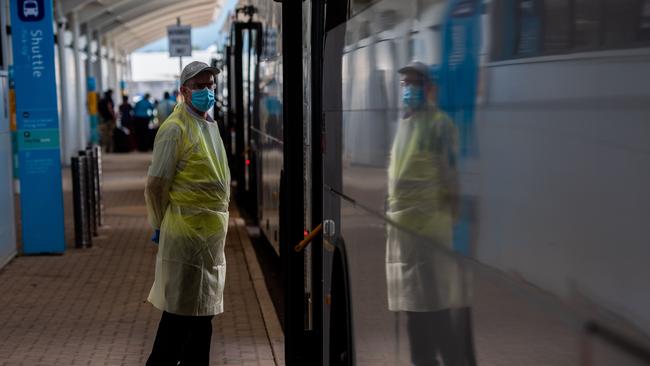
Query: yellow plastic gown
421	190
187	195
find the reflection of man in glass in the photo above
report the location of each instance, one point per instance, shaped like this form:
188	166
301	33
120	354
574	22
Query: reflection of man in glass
422	280
271	109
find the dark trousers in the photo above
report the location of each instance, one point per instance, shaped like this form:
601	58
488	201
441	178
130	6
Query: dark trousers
447	333
142	133
184	339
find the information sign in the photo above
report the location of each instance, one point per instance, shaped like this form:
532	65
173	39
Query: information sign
180	40
37	124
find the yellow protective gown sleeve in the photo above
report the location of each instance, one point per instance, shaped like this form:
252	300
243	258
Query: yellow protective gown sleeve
161	173
187	195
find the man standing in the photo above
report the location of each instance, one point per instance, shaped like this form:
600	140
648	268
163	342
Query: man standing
423	280
143	113
165	108
106	110
127	142
187	195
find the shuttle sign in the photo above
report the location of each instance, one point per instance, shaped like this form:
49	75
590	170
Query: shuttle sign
37	125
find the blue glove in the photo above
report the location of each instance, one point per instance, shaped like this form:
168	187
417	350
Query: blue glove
156	236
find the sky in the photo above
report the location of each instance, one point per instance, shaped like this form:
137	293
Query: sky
202	37
158	66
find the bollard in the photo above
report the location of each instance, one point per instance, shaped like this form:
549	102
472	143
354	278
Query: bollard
98	183
92	173
90	195
83	238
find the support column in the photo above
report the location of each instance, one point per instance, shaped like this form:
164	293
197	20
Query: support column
129	69
99	71
114	82
90	72
4	13
80	83
91	87
122	76
64	123
8	246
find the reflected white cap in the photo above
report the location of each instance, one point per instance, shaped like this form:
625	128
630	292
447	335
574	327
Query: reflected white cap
430	73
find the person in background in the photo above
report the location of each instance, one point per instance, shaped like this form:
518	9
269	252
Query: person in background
165	107
126	113
187	196
127	122
143	114
423	280
106	108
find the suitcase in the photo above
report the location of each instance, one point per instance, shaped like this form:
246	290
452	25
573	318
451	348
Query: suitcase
121	140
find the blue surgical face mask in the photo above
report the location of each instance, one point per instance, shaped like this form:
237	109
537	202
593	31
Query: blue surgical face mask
203	99
413	96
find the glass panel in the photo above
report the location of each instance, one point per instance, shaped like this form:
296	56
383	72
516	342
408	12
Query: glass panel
269	135
535	199
269	140
414	302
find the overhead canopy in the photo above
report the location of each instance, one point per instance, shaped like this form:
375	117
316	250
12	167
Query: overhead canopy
131	24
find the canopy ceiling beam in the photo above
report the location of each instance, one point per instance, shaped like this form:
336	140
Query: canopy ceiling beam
128	42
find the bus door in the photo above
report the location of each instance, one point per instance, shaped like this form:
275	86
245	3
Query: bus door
245	48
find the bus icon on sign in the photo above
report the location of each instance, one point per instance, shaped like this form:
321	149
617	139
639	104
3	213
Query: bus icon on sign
31	10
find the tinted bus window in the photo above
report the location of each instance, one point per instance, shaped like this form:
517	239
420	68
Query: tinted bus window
644	22
620	22
587	23
557	26
528	28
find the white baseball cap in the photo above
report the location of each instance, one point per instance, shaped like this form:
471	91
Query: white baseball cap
194	68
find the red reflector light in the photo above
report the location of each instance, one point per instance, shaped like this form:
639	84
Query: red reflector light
248	162
306	233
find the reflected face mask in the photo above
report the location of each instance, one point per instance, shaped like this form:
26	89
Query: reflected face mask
203	99
413	96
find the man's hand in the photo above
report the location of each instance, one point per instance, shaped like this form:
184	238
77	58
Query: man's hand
156	236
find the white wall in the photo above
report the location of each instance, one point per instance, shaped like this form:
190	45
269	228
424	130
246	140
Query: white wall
7	219
564	177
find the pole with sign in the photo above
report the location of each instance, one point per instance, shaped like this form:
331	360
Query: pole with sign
93	101
37	122
180	42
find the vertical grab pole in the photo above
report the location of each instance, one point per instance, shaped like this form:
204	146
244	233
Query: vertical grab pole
292	201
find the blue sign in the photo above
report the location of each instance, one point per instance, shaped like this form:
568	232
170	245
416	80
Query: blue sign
458	83
91	84
459	69
41	197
